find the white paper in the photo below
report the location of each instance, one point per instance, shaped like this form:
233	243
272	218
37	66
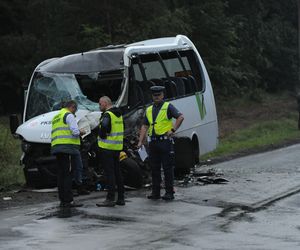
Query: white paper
87	131
83	124
143	153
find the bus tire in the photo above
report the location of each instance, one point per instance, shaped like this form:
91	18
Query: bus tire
184	156
196	149
42	178
132	173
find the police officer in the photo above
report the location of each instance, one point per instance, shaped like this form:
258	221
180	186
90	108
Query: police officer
158	123
65	144
110	142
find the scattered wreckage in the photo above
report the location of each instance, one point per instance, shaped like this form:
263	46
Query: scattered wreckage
198	176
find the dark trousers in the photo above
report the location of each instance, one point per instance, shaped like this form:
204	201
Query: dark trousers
161	153
78	168
111	165
64	177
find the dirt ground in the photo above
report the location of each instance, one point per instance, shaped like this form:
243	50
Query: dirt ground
238	114
231	116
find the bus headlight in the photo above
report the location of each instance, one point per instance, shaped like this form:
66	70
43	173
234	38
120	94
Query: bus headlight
26	147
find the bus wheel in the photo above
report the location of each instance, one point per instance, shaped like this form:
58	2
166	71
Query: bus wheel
39	177
196	149
132	173
184	156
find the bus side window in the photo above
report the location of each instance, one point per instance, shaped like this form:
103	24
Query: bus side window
180	86
187	85
193	84
171	89
195	78
140	94
145	87
157	81
136	96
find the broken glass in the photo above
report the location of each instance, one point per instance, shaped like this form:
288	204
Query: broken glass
48	90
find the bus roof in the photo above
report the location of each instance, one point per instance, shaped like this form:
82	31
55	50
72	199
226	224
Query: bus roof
108	58
86	62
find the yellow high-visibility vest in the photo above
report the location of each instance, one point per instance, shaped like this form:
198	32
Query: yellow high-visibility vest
61	133
114	140
161	124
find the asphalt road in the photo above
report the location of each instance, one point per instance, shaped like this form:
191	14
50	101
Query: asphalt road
257	209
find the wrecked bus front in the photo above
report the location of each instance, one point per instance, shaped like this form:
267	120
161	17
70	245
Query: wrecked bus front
82	77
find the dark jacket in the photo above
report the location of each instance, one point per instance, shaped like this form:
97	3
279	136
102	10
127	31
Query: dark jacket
105	122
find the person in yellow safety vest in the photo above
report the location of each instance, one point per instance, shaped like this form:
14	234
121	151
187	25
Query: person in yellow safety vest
110	143
158	123
65	144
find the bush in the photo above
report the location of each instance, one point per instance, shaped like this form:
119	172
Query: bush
11	174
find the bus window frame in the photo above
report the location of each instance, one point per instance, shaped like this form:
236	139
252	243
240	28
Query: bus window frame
194	59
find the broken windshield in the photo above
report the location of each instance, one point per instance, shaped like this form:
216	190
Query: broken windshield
48	90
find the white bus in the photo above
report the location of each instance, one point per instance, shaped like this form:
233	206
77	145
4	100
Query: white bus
125	73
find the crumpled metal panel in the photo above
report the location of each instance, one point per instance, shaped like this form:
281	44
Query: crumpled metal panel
86	62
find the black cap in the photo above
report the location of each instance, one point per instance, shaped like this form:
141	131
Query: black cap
157	89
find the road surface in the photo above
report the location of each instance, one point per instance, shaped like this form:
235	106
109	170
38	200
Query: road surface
259	208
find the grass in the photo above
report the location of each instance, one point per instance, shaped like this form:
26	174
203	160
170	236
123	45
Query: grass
257	136
11	173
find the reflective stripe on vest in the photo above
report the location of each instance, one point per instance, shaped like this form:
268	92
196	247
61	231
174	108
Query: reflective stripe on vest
162	124
61	133
114	140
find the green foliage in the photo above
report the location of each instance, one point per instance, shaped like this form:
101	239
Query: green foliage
92	37
258	135
246	45
214	35
11	173
267	32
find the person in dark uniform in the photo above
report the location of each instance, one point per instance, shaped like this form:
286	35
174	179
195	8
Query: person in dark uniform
110	143
158	123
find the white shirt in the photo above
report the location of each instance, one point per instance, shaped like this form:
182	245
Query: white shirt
71	121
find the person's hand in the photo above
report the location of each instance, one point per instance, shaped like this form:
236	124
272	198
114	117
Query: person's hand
170	133
139	144
82	131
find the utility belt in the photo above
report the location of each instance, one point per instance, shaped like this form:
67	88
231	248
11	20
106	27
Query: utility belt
158	138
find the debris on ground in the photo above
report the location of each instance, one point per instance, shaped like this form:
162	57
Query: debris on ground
200	176
45	190
7	198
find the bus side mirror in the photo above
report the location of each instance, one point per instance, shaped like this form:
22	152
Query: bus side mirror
13	123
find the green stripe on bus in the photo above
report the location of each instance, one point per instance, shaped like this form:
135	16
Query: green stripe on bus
201	105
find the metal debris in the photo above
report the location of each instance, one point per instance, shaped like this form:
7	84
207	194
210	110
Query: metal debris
200	176
7	198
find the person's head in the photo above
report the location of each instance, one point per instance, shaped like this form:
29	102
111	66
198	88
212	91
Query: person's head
157	93
104	103
71	105
64	97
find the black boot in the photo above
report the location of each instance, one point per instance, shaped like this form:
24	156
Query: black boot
106	203
70	204
154	196
81	190
168	196
120	201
